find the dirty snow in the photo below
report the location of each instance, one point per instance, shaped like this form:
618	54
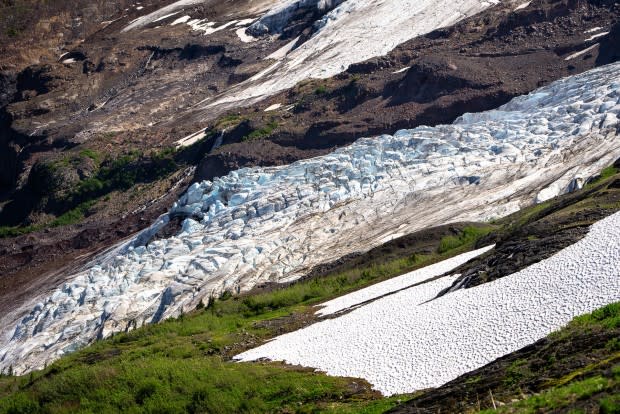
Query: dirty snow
401	344
243	36
397	283
284	50
275	224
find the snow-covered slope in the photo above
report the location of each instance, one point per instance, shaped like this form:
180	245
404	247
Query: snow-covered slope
397	283
274	224
401	345
349	31
352	32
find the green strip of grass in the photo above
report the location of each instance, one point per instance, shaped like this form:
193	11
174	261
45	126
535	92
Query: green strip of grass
469	235
561	397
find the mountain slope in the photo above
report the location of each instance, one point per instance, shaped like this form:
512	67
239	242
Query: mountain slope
114	374
261	225
76	177
124	132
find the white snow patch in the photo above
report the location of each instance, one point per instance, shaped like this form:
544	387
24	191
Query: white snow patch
165	17
208	27
283	51
161	14
243	36
522	6
180	20
191	139
596	36
352	32
273	107
406	68
594	29
401	345
582	52
274	224
245	22
398	283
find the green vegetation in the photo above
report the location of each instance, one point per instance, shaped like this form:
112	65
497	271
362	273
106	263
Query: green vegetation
14	231
92	154
183	365
589	378
565	396
320	90
605	174
124	172
262	132
516	372
228	121
180	365
75	215
607	317
72	216
107	174
466	237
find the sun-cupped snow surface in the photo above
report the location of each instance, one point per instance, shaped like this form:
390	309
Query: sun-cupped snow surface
401	345
397	283
275	224
352	32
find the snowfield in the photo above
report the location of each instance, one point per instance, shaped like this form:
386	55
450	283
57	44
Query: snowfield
275	224
350	32
401	345
401	282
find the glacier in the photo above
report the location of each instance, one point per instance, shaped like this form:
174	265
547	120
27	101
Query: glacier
405	342
274	224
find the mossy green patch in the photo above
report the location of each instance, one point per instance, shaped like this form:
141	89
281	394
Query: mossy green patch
262	132
466	237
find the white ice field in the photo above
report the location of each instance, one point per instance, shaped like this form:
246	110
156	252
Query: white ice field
403	342
274	224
